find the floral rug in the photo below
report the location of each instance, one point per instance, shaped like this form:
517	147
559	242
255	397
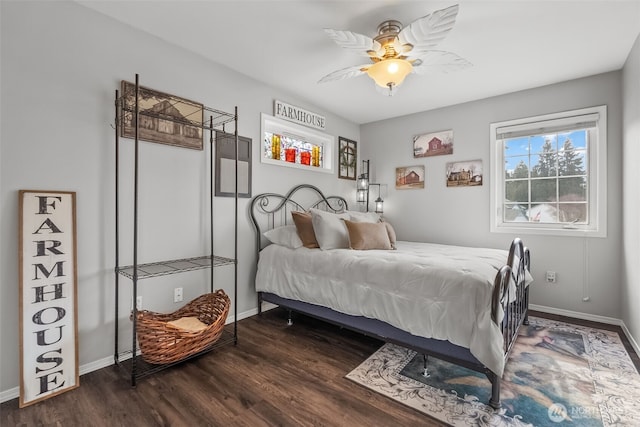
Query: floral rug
558	374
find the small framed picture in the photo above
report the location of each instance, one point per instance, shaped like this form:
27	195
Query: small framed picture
347	158
409	177
464	174
433	144
164	118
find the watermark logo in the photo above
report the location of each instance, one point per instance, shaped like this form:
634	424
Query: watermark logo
557	412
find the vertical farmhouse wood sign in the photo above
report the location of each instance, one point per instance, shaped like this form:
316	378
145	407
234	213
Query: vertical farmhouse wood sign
48	295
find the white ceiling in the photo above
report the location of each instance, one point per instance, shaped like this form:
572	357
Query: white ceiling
513	45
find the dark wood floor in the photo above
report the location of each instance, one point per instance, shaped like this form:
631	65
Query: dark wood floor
276	375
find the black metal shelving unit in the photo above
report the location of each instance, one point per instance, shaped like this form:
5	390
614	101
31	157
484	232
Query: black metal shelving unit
216	120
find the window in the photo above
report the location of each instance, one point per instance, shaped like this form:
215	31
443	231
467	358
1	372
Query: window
289	144
549	174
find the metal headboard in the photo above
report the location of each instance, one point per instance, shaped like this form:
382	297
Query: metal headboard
271	210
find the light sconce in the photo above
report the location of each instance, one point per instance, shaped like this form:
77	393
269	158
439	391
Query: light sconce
362	189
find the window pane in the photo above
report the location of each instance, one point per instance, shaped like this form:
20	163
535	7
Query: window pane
516	147
543	143
572	162
268	150
516	167
578	138
514	212
517	191
572	153
572	189
545	212
543	190
573	213
544	164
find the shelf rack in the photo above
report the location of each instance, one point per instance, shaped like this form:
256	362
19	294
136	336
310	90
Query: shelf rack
217	120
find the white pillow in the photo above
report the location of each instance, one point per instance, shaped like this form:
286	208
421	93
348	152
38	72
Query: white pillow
357	216
331	233
287	235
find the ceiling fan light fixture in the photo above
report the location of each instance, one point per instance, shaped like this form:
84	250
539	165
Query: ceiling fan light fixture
397	51
390	72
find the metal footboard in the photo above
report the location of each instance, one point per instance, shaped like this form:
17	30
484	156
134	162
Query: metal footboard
510	304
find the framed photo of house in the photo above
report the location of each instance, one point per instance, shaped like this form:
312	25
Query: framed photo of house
433	144
464	174
409	177
347	158
48	295
225	150
163	118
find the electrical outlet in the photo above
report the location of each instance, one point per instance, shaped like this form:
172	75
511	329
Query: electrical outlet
177	295
139	302
551	277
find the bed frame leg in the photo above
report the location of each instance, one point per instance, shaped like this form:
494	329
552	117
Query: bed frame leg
425	371
290	318
494	402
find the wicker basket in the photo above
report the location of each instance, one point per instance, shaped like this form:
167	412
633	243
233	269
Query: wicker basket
161	344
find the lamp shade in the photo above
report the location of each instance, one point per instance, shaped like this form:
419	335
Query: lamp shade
390	72
361	196
363	182
379	205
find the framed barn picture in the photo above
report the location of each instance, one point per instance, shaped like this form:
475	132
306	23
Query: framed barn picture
433	144
410	177
48	295
163	118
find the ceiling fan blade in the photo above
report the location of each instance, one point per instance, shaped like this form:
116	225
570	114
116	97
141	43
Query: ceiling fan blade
345	73
358	43
425	33
440	61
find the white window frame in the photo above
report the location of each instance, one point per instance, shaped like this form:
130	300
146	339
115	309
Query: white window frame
596	172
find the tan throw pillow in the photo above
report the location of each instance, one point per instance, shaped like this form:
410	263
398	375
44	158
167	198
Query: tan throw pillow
368	235
304	226
189	324
392	234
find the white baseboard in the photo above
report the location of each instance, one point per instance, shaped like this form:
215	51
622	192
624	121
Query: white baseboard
592	317
576	314
14	393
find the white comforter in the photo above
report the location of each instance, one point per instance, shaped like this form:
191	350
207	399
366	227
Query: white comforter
429	290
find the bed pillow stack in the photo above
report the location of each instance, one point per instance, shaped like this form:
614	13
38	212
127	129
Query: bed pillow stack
327	230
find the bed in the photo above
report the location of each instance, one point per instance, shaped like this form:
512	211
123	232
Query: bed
459	304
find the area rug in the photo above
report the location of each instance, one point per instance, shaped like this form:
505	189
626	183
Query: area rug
558	375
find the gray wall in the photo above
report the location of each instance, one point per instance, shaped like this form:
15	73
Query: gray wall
61	64
461	215
631	194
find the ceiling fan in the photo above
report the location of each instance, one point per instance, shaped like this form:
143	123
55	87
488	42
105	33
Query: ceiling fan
396	52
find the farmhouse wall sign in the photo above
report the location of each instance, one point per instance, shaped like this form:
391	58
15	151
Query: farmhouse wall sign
48	295
298	115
